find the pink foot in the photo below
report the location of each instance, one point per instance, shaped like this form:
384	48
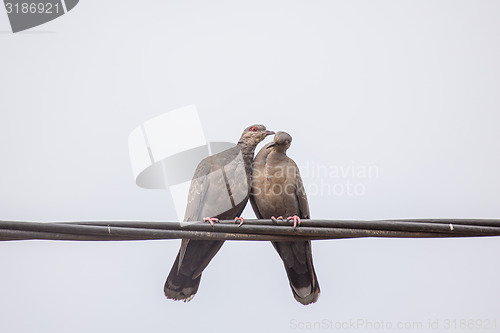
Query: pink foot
211	220
275	220
296	220
236	219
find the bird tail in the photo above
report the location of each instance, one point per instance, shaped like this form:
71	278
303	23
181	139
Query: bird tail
180	287
297	258
184	277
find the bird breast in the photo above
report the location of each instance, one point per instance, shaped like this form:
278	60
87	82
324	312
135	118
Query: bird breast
274	183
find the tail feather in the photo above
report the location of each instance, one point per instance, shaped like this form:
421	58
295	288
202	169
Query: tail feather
297	259
185	276
180	287
305	295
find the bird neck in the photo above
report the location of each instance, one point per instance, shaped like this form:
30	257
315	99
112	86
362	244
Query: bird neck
247	151
277	155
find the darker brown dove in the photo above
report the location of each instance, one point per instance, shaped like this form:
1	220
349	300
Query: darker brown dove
220	189
277	190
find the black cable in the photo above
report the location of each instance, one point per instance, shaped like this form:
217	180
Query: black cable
263	230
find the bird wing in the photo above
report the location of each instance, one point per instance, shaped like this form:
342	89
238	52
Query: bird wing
209	196
297	256
301	196
198	191
255	207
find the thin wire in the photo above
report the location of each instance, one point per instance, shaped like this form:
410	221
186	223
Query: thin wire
261	230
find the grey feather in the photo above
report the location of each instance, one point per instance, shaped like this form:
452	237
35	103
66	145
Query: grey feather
278	190
220	188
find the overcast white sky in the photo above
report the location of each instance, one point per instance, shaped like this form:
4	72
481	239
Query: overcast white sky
409	88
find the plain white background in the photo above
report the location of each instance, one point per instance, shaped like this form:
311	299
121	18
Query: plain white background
410	87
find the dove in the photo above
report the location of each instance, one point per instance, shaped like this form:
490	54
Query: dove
277	190
219	189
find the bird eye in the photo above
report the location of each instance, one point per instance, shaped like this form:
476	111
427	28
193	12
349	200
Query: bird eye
253	129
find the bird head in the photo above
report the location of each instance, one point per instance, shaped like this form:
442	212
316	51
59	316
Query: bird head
254	134
282	141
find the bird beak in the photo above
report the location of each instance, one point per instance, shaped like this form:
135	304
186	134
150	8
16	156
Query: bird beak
271	145
270	133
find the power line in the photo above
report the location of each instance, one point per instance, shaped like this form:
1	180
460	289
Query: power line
262	230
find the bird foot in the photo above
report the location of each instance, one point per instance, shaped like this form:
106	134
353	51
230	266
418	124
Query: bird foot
296	220
275	219
239	218
211	220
